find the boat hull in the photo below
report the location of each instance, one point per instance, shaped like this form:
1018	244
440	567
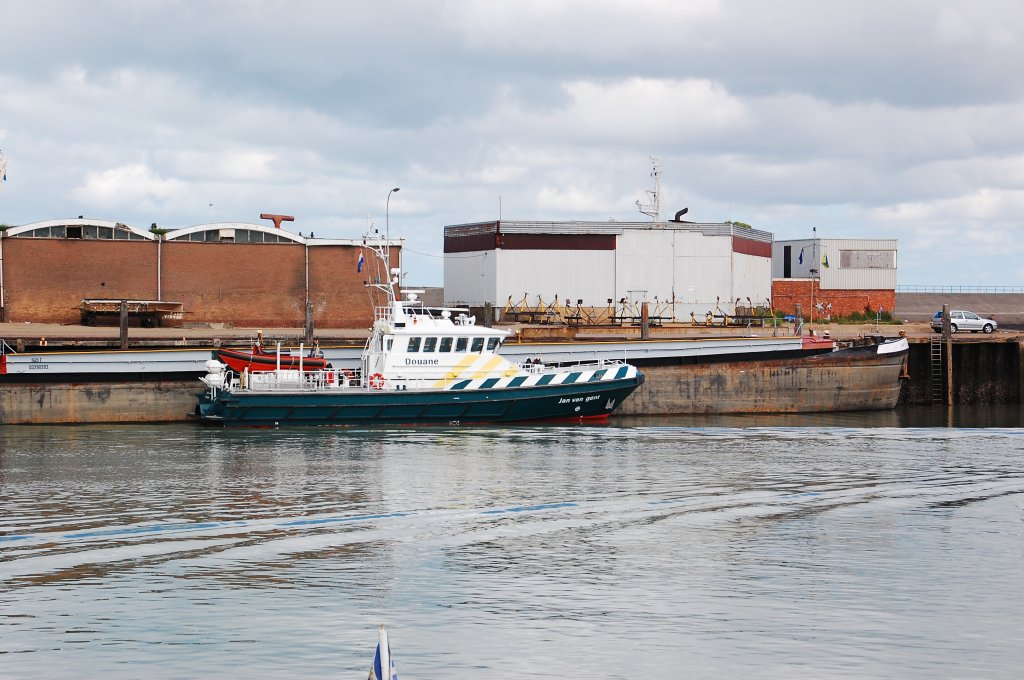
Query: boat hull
572	402
857	379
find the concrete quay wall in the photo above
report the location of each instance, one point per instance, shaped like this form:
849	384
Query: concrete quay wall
97	402
985	371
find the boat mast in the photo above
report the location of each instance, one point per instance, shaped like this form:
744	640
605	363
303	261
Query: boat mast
653	209
386	280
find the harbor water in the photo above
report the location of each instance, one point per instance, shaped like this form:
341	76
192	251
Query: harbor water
833	546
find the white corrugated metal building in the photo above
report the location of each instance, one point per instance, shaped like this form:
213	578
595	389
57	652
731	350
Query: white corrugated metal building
841	263
680	267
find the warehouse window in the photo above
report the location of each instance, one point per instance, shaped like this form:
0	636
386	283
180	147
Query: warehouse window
83	231
229	235
867	259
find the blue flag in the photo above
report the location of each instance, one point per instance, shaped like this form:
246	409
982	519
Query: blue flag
800	260
359	263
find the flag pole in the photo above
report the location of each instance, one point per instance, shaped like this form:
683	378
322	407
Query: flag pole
385	654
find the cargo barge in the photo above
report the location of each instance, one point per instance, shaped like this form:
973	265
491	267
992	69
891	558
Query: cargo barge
854	379
703	375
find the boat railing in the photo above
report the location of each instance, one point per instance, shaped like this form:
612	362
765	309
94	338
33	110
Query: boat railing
538	367
288	380
334	379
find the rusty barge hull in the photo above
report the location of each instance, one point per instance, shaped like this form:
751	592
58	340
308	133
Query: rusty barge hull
857	379
847	380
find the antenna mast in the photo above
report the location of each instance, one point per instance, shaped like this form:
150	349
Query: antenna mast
653	209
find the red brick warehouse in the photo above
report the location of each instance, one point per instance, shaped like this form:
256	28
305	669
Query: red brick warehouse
242	274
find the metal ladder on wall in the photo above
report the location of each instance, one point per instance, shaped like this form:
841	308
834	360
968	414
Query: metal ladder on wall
935	384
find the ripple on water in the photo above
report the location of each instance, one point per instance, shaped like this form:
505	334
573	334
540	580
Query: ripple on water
602	552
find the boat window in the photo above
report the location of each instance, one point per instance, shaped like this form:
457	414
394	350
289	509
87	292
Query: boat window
461	344
390	341
478	345
414	345
429	344
492	344
446	345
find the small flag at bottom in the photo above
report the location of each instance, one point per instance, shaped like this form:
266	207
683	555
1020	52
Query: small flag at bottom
382	658
359	263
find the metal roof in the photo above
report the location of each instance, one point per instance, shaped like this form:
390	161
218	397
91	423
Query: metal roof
582	227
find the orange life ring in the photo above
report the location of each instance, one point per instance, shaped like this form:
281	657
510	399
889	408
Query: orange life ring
377	381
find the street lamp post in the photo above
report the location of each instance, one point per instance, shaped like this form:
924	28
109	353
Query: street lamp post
387	229
387	220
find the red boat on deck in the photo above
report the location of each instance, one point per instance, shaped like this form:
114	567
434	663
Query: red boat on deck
257	359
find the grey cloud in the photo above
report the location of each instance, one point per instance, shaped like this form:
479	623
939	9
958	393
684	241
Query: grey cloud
874	118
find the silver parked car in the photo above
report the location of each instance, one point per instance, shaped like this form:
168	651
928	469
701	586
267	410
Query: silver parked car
960	320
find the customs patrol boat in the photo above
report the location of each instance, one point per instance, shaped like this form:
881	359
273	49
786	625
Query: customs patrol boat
421	365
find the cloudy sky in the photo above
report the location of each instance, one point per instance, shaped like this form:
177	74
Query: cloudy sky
879	118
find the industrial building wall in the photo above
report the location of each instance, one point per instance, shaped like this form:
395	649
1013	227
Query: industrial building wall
680	271
470	278
587	275
251	284
819	303
703	274
644	266
797	269
858	264
842	264
752	279
45	280
337	290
